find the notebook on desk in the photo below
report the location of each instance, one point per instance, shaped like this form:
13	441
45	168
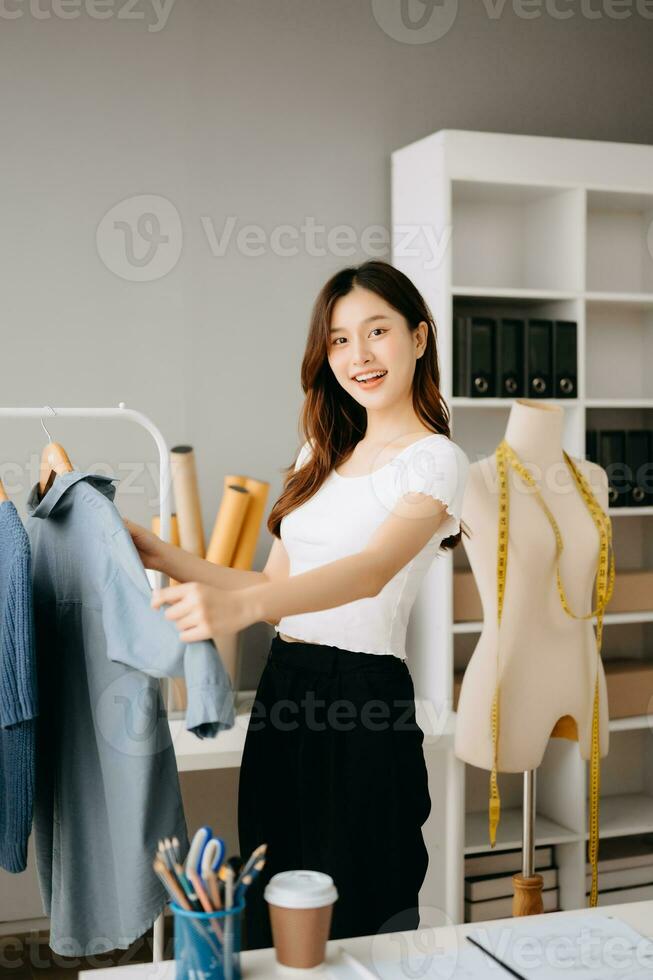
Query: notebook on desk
578	946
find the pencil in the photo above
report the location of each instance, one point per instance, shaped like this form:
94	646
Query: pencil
205	903
214	891
171	884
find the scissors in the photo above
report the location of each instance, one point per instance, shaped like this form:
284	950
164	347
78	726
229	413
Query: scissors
205	856
212	856
194	856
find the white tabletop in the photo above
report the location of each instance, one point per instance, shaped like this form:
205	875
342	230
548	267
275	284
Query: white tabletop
373	950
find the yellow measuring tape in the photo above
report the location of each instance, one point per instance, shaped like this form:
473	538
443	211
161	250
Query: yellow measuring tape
506	456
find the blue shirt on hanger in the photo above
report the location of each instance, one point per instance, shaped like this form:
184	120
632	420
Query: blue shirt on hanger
107	787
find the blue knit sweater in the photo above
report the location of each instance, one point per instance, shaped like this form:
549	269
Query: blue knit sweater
18	690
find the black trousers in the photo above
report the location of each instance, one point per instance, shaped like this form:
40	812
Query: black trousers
333	779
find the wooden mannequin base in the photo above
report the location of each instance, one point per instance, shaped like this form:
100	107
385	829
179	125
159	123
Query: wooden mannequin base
527	895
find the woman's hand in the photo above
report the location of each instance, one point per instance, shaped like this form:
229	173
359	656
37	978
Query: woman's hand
150	547
201	611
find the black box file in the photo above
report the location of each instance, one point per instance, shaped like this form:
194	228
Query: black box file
511	367
474	356
539	342
639	446
612	457
565	359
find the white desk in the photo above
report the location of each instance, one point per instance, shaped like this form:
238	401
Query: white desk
260	964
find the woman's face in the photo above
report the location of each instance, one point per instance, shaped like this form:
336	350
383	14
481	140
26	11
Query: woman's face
368	335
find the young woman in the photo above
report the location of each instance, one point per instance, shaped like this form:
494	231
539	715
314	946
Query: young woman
333	776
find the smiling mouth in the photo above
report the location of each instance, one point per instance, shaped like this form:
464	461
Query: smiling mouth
371	381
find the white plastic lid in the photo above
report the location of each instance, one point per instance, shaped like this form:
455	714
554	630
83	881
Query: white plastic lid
300	890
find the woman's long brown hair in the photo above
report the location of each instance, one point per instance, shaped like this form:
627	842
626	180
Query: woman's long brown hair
331	419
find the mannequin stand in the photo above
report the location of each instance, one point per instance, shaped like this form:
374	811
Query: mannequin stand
527	895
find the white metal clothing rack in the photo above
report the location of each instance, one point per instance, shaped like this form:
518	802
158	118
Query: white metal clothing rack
165	511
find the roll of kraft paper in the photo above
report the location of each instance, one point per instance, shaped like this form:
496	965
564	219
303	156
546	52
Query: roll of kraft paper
174	530
231	528
177	684
187	500
246	545
241	509
228	524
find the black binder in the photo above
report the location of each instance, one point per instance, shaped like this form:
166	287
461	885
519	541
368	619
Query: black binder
591	445
474	356
461	356
539	341
565	359
612	457
639	446
511	341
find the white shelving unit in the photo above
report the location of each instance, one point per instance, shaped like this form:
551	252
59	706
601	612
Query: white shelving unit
560	228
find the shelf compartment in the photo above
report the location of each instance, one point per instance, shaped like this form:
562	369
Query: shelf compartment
626	805
619	346
509	833
516	236
560	815
625	814
619	247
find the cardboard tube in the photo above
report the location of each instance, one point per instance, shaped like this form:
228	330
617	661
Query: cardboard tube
246	506
228	524
177	684
221	548
187	499
174	529
246	546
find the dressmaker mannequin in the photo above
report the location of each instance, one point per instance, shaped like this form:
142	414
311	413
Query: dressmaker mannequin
547	659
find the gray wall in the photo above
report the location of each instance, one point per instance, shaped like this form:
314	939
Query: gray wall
261	112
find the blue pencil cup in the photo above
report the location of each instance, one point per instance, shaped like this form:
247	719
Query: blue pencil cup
207	944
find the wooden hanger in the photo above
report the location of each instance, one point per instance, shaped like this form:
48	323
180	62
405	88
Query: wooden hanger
3	495
54	460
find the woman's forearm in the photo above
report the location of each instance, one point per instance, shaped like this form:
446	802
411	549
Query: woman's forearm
333	584
185	567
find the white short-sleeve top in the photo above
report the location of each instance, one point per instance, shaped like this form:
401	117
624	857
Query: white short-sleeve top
340	519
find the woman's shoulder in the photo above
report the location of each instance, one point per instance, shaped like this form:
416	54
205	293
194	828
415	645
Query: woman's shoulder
441	446
434	444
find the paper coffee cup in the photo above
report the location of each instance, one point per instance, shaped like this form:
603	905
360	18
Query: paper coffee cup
301	906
